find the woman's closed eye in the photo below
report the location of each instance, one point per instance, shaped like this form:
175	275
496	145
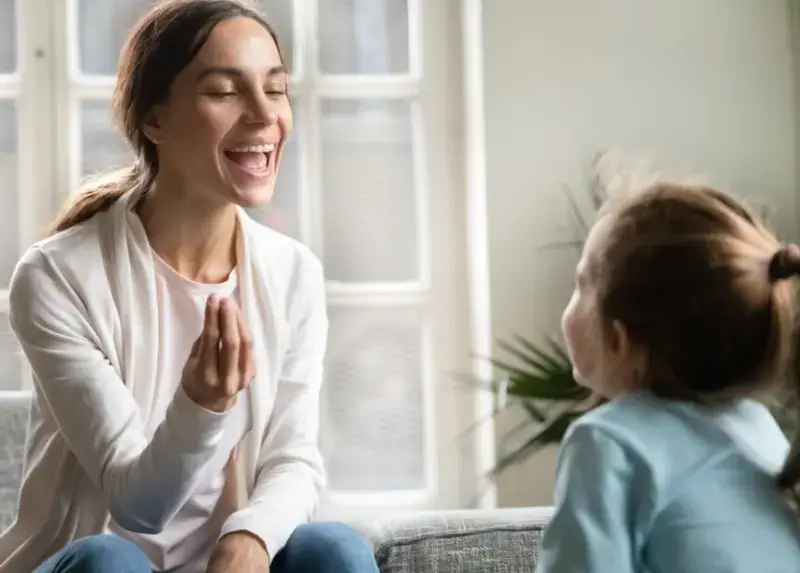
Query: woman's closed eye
275	90
225	89
221	94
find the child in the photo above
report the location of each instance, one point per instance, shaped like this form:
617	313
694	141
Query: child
682	315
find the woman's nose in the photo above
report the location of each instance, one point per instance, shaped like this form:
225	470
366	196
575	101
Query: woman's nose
261	110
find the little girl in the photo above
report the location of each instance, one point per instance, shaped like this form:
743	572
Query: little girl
683	315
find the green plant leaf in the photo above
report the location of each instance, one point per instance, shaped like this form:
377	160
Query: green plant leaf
549	433
548	359
555	388
537	360
533	411
559	350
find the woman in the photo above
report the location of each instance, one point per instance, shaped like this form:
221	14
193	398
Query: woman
176	345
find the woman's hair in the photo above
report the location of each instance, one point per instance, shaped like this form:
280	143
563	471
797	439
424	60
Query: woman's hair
161	44
701	287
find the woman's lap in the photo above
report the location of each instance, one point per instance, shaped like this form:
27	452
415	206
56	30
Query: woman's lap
325	547
95	554
320	547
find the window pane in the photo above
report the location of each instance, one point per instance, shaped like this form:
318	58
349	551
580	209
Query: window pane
9	190
281	213
369	205
104	24
280	17
8	37
11	359
372	400
102	28
363	36
102	147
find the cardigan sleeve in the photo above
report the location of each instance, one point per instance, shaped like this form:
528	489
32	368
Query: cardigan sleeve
290	473
144	481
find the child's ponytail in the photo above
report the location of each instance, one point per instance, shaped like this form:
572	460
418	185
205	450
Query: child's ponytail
784	265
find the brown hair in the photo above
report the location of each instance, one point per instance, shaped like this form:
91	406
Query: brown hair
699	284
161	44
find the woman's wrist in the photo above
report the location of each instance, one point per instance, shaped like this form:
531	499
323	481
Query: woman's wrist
244	545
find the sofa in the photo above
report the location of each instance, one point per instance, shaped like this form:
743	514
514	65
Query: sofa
459	541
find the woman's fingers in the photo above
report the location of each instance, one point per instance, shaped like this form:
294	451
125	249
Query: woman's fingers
221	362
194	352
229	349
210	344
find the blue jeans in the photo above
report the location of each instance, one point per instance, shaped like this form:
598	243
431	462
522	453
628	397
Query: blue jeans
312	548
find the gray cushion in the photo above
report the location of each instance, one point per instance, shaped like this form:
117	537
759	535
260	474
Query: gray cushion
14	409
497	541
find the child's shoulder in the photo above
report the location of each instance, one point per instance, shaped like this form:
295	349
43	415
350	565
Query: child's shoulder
652	430
634	414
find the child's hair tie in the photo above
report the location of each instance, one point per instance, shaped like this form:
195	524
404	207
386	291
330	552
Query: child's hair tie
784	264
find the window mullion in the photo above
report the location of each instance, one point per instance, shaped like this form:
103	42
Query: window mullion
32	91
310	188
64	105
35	140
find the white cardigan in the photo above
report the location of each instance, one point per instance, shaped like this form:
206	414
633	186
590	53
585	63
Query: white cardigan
83	306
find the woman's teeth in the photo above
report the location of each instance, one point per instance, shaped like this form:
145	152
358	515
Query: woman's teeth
266	148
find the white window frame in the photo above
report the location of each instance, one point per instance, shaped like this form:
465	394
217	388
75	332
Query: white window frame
27	89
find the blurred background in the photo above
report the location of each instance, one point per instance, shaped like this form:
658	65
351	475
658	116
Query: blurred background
434	142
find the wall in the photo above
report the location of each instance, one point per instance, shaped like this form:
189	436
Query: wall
699	86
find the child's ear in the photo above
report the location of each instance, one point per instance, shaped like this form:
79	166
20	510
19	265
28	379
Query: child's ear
620	343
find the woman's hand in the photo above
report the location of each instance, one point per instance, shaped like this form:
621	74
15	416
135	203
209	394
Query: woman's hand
239	552
220	363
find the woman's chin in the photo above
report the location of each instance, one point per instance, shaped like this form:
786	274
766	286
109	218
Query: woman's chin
252	196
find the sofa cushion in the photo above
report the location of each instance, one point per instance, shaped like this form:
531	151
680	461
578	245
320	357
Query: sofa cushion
494	541
14	409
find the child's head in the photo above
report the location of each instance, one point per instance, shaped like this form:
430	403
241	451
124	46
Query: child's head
675	293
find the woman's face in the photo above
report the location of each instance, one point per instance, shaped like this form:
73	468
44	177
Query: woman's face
221	132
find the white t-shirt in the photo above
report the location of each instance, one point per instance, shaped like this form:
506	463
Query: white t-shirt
185	544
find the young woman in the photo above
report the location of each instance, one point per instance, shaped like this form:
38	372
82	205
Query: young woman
177	345
682	315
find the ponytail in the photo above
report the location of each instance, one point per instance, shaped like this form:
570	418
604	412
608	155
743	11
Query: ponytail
98	195
785	265
789	478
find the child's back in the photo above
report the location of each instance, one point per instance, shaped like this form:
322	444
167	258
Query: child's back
698	488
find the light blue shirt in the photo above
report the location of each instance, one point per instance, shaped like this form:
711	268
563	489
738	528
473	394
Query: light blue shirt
649	486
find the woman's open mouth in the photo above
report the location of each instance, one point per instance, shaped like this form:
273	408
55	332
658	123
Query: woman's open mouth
252	161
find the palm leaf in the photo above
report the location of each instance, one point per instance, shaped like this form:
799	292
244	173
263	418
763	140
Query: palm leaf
533	357
549	433
533	411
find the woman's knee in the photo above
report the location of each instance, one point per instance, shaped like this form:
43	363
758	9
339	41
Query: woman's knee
98	554
325	547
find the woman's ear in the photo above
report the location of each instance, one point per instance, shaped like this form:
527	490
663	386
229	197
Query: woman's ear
152	128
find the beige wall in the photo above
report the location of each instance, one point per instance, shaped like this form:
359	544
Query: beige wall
698	85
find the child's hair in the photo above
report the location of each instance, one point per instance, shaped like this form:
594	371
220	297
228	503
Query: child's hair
700	285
